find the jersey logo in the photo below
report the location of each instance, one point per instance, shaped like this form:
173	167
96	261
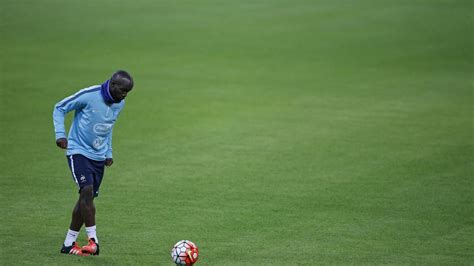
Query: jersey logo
98	142
102	128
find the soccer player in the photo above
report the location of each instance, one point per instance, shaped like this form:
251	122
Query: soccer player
89	149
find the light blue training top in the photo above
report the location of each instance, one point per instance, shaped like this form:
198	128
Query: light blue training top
91	130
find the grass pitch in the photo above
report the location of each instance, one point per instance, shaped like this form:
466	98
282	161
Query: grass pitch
267	132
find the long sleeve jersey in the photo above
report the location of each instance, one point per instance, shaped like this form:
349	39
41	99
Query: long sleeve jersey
91	130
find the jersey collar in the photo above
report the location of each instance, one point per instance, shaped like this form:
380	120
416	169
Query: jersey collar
105	91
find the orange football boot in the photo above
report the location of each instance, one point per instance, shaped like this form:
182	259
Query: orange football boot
73	250
91	248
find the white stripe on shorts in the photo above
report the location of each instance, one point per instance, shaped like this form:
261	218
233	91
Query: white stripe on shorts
72	170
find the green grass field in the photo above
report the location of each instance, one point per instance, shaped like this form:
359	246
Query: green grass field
268	132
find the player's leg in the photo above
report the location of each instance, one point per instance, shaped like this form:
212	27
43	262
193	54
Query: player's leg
70	246
76	219
86	205
78	169
98	173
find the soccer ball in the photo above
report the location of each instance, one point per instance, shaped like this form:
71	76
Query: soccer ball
184	252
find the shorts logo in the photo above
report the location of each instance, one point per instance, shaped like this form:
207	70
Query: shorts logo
83	179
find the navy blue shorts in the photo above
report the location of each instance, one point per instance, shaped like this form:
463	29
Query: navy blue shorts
86	171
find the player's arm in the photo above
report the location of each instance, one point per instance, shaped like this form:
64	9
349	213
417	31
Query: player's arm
108	156
73	102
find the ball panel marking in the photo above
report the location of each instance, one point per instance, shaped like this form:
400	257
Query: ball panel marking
184	252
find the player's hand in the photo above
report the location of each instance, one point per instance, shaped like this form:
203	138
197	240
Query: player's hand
61	143
109	162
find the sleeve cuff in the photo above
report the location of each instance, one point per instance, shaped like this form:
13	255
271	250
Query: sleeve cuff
60	136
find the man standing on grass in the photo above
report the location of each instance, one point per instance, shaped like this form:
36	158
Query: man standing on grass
89	149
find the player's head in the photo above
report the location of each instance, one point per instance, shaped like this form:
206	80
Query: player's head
121	83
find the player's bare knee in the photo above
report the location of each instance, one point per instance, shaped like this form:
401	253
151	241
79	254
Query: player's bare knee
87	195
